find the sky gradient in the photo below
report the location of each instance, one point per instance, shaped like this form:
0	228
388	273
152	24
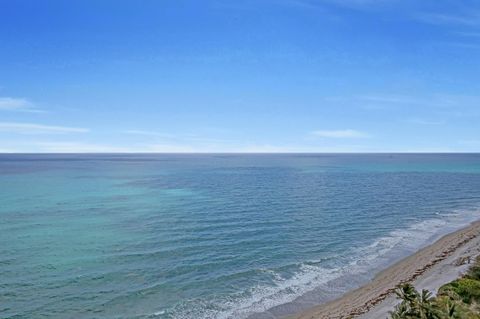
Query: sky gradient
240	76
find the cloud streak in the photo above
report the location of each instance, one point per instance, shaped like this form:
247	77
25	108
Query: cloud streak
80	147
353	4
31	128
148	133
17	104
420	121
389	102
471	20
349	133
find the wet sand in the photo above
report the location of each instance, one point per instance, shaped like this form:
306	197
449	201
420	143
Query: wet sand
429	268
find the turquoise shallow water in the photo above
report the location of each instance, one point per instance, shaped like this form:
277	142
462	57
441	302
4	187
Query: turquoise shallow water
215	236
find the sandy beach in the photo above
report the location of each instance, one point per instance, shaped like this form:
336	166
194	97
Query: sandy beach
429	268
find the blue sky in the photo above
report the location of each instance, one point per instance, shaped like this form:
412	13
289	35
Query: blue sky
240	76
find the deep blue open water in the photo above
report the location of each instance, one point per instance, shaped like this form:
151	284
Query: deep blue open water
215	236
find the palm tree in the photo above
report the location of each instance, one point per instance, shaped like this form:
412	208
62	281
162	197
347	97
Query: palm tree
424	306
407	293
414	304
450	310
401	311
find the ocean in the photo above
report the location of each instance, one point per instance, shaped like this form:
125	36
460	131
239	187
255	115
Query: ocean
222	236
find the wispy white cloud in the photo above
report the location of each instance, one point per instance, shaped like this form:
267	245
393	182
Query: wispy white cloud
177	138
462	43
465	19
468	19
251	148
79	147
378	100
85	147
420	121
174	148
465	104
31	128
354	4
148	133
17	104
304	4
396	99
468	34
368	3
268	148
349	133
470	142
319	6
381	101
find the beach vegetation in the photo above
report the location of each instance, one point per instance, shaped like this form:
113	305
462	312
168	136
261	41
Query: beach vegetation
468	290
459	299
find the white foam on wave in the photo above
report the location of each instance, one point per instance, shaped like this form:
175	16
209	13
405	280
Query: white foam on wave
416	236
259	298
310	277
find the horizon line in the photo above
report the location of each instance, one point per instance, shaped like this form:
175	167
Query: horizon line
227	153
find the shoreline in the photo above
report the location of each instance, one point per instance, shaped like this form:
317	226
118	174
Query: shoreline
431	266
